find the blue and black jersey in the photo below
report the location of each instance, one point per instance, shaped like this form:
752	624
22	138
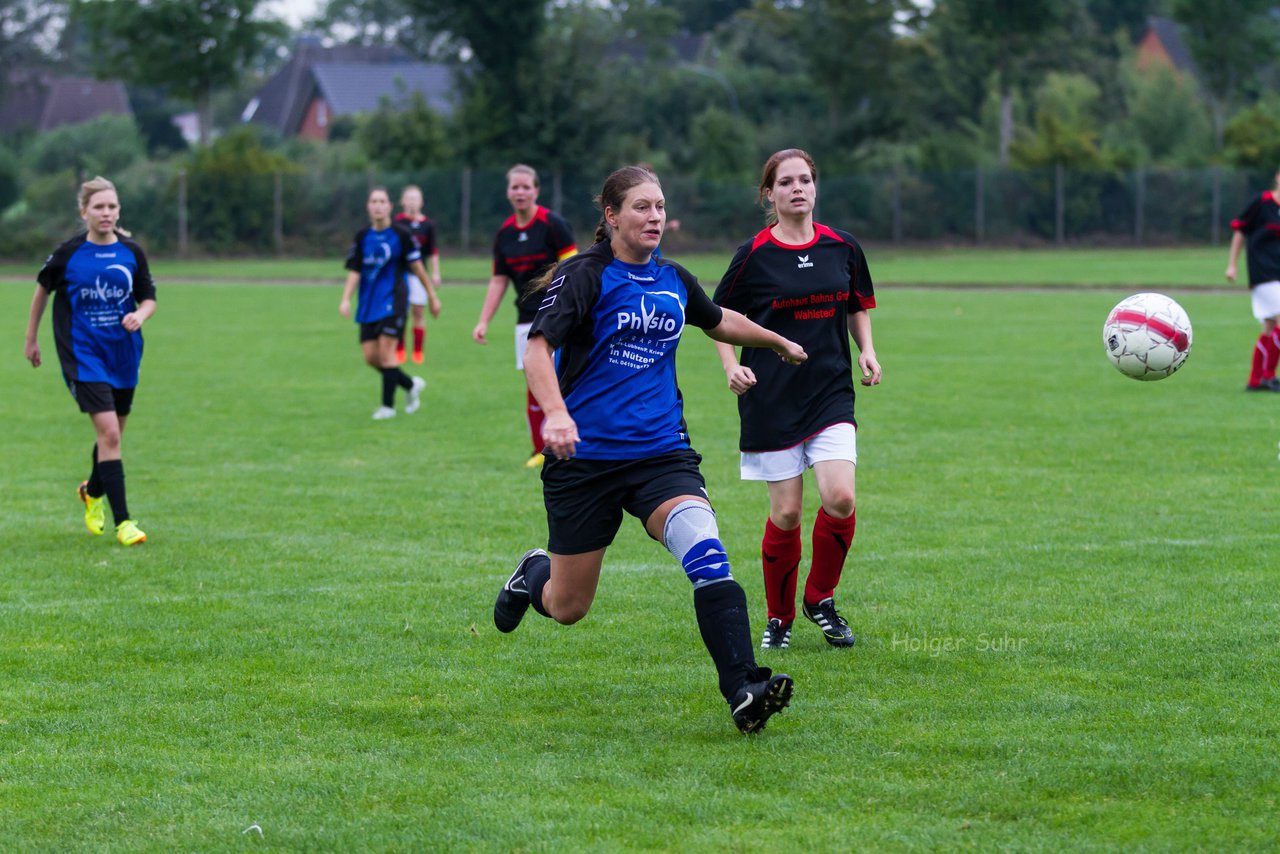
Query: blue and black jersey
382	257
615	328
94	287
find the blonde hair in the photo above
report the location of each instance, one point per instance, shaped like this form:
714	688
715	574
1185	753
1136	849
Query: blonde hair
95	185
522	169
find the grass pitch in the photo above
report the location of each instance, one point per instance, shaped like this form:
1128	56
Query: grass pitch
1063	585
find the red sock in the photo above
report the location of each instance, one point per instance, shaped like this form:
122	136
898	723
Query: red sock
831	541
780	555
1270	356
534	413
1259	362
419	335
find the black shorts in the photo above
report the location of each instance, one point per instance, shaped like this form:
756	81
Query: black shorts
392	327
101	397
585	498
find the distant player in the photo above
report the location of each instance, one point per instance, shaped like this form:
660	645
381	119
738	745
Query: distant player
531	239
103	293
1259	228
379	257
809	283
423	231
601	361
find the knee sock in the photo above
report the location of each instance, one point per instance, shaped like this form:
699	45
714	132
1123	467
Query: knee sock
534	413
419	335
726	630
94	488
780	556
392	377
112	474
1258	365
831	541
1270	355
536	576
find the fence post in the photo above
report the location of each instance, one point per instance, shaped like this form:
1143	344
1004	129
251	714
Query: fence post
182	211
1139	203
277	212
979	205
1059	205
897	205
464	215
1215	207
557	190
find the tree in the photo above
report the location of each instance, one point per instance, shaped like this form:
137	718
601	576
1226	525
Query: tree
27	31
403	138
193	47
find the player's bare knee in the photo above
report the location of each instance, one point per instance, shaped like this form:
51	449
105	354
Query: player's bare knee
786	518
840	504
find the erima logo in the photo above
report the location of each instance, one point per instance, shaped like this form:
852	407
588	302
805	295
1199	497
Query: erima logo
648	320
523	237
804	261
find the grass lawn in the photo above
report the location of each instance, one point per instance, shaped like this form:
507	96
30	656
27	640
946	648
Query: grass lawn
1061	583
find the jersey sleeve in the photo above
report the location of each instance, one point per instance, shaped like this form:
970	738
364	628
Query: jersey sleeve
409	251
144	287
566	302
699	310
561	237
355	257
429	247
731	293
53	274
861	288
500	267
1249	217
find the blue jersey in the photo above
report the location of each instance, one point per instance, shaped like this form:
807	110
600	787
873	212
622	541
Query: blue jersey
615	328
94	287
382	257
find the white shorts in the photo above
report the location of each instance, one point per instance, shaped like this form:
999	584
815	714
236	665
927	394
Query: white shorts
522	341
417	293
837	442
1266	300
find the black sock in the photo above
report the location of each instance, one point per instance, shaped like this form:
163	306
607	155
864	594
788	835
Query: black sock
402	379
726	630
536	576
95	480
389	387
112	474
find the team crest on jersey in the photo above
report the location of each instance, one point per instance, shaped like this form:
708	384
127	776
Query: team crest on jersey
523	237
660	314
804	261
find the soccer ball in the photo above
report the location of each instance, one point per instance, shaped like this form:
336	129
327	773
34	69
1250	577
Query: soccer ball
1147	336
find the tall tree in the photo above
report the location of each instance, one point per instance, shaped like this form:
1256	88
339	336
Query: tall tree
27	32
1230	40
194	47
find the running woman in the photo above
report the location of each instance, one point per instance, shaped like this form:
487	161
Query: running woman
531	240
601	362
810	283
423	231
1258	228
103	293
379	257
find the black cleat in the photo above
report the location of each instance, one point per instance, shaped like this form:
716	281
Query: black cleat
776	635
513	598
1265	385
827	618
756	702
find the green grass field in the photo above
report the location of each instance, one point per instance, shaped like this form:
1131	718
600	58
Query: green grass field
1062	583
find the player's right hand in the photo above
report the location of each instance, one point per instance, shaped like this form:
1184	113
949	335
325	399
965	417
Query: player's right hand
1231	273
561	435
32	352
791	352
344	308
741	379
477	334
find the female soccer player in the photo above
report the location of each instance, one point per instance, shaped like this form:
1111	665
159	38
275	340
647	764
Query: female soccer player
423	231
532	239
810	283
1259	228
601	362
377	262
103	293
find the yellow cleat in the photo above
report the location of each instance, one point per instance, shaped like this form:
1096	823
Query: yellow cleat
535	461
129	534
94	514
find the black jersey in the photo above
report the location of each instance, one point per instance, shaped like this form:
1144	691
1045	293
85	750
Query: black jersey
94	287
804	293
521	254
1260	225
423	232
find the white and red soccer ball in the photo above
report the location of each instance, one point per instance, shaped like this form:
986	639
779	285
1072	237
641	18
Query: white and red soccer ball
1147	336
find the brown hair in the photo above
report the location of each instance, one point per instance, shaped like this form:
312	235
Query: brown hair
522	169
95	185
770	174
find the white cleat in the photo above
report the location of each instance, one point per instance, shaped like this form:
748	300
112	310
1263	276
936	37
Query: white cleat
382	413
413	397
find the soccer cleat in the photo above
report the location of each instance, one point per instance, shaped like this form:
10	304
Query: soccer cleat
827	618
513	598
535	461
417	357
413	397
756	702
1265	385
382	413
400	353
776	635
129	534
94	513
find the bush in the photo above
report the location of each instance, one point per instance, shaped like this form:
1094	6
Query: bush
102	146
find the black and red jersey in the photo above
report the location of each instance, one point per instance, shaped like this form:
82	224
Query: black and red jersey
521	254
423	232
804	293
1260	225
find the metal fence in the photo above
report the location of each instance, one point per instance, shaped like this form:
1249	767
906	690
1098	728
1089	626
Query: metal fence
316	213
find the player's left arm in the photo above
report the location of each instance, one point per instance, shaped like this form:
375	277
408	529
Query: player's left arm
433	300
860	332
